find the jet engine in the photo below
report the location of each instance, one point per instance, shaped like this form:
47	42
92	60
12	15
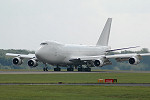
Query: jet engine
98	63
17	61
134	60
32	63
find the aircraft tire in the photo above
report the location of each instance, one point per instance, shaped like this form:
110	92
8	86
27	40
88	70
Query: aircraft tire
57	69
70	69
87	69
44	69
81	69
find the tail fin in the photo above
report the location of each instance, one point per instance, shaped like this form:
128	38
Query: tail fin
103	40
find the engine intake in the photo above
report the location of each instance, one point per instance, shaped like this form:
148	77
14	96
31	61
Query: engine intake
32	63
134	61
17	61
98	63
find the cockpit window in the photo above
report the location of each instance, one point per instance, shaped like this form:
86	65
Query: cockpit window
43	44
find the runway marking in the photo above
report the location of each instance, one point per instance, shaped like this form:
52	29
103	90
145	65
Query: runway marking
83	84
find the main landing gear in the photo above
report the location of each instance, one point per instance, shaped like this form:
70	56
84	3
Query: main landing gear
57	68
82	69
45	69
70	68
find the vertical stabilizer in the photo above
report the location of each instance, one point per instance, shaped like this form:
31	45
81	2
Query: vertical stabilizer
103	40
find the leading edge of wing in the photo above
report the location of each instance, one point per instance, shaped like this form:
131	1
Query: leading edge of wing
28	56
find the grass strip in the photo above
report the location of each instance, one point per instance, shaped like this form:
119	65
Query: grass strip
75	78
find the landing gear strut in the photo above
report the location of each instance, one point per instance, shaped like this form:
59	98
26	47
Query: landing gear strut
87	69
81	69
57	68
70	68
45	68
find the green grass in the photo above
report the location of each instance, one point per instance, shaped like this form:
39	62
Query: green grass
74	78
73	93
50	92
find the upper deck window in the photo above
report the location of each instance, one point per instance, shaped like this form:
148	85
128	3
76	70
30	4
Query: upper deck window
44	44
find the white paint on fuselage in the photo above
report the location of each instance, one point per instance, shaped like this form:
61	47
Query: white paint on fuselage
56	53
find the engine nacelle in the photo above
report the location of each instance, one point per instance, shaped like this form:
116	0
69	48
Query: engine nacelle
134	61
32	63
17	61
98	63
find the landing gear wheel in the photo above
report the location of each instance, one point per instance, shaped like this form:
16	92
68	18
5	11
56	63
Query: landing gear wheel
80	69
70	69
44	69
57	69
87	69
84	69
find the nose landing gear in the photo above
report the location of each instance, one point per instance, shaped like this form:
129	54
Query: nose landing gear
45	68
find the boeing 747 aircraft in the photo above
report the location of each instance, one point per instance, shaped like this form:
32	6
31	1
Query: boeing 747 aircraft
70	56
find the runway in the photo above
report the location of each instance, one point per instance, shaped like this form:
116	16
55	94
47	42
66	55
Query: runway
63	72
41	72
83	84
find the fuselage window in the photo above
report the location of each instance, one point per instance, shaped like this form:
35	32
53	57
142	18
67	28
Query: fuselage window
43	44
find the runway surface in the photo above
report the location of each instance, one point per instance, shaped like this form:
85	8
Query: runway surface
83	84
41	72
63	72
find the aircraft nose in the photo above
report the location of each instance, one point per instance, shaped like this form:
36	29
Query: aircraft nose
38	53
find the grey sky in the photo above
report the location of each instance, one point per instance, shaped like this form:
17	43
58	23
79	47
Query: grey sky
24	24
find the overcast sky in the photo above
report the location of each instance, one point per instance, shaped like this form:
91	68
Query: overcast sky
24	24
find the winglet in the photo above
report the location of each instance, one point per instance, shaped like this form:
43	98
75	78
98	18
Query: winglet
103	40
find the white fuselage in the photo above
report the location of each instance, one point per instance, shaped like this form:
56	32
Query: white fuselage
55	53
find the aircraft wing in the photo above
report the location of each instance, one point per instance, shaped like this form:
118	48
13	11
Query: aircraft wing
126	55
84	58
28	56
121	49
106	58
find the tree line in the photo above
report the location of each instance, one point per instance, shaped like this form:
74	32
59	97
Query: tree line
6	62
